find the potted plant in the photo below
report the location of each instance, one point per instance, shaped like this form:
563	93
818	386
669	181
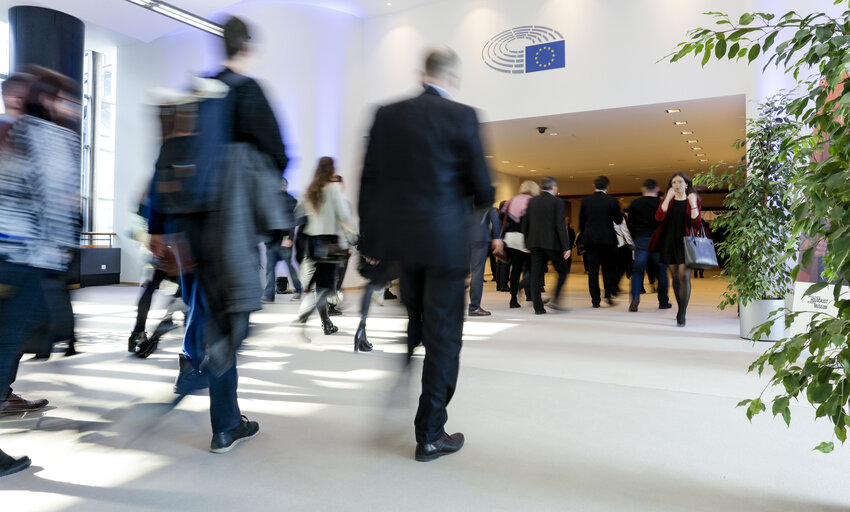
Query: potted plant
814	365
758	225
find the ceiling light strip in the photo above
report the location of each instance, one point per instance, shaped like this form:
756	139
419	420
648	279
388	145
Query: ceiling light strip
178	14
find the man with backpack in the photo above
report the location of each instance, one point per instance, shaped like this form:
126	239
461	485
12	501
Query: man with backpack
227	206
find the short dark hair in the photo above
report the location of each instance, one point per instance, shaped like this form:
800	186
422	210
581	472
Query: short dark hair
440	62
17	85
235	36
650	184
601	182
548	183
49	86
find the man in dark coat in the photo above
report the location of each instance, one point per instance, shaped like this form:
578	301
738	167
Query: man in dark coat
597	216
225	287
546	236
423	174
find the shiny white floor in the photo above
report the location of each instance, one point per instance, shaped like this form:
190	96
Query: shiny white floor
590	410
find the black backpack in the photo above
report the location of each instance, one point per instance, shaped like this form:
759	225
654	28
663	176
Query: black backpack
195	130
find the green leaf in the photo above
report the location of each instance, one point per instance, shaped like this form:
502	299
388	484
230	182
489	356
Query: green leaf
746	19
824	447
768	41
815	288
743	402
733	50
818	392
822	33
754	52
841	433
720	49
786	415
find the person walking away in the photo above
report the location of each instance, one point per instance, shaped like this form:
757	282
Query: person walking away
279	248
597	215
486	236
424	178
546	237
515	211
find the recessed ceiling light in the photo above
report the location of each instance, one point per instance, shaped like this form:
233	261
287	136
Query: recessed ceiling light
687	133
700	154
506	161
680	123
571	177
703	160
554	133
488	156
673	110
520	166
612	165
696	148
692	141
533	170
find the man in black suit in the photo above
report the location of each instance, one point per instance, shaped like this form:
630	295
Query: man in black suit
423	174
546	236
597	216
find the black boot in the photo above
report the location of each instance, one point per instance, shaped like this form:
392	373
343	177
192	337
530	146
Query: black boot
147	347
327	326
136	338
361	343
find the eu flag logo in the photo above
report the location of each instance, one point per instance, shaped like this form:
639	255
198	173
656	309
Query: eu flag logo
541	57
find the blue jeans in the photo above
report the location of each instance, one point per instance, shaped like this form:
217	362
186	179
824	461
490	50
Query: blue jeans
643	258
21	305
478	253
274	253
224	409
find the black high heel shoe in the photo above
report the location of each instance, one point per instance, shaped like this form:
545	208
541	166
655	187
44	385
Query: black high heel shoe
361	343
680	319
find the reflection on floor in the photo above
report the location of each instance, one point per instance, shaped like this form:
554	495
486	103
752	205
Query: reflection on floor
590	410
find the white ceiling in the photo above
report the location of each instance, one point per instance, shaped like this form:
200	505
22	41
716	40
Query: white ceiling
642	142
143	25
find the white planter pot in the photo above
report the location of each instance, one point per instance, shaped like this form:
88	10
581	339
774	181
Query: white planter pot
758	312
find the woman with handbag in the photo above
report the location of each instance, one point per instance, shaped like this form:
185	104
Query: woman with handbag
679	214
515	210
329	230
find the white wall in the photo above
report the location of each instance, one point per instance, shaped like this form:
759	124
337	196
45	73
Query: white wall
306	58
611	51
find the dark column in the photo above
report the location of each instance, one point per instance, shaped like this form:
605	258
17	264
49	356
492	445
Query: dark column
47	38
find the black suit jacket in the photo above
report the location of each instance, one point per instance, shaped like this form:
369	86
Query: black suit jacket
544	224
597	217
423	174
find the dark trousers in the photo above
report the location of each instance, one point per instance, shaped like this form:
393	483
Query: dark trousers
478	255
644	261
503	274
539	260
434	297
274	253
224	408
604	256
21	299
520	266
145	300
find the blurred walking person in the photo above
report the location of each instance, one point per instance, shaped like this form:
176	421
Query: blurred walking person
423	174
520	256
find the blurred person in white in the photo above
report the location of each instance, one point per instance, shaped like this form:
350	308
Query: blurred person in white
39	208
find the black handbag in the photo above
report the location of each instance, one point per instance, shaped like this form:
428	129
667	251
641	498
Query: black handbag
327	249
699	251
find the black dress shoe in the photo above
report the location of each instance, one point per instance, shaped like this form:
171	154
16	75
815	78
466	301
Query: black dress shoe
666	305
333	310
147	347
223	442
609	300
479	312
446	445
388	295
541	312
595	306
15	404
9	464
514	304
189	379
633	307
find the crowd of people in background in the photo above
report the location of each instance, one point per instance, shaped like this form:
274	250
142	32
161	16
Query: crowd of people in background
426	217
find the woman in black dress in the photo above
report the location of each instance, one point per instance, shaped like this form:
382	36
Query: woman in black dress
679	213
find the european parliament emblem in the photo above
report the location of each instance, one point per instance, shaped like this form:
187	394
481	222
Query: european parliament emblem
541	57
525	49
